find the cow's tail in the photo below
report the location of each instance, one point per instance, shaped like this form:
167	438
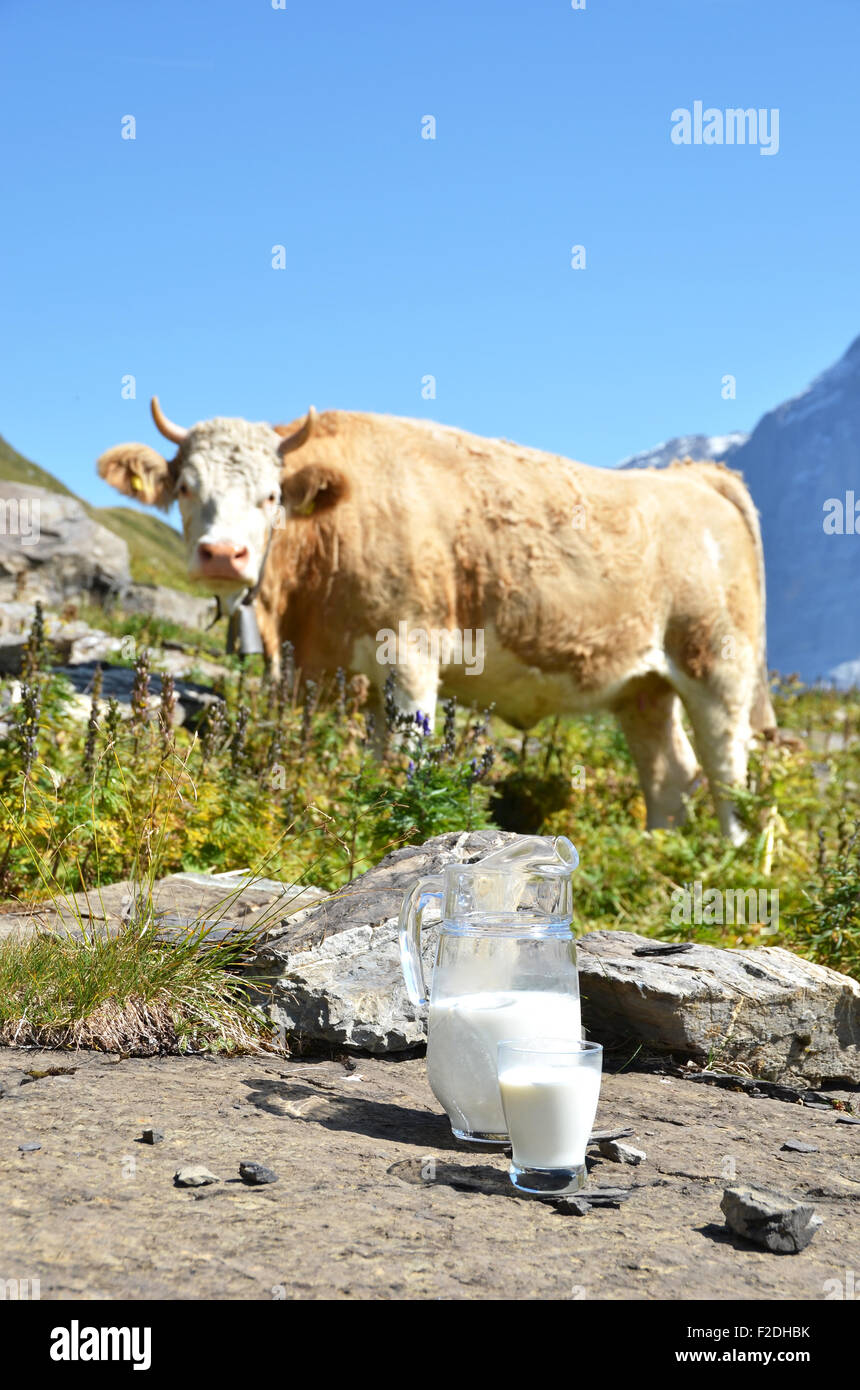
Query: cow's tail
731	485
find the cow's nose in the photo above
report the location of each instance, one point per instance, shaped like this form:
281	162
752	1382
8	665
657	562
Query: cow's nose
223	550
222	560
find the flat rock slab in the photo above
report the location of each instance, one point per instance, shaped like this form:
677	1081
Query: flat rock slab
334	976
376	1201
224	902
335	979
786	1018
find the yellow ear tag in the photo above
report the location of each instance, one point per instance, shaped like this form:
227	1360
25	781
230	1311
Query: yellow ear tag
136	483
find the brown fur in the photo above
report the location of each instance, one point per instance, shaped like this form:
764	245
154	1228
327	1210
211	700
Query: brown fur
431	523
632	590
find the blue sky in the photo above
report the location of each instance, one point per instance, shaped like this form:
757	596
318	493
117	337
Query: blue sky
404	257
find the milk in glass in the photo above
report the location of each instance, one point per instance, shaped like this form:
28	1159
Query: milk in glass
550	1108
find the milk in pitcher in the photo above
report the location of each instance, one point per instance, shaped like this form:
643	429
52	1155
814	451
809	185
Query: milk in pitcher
463	1036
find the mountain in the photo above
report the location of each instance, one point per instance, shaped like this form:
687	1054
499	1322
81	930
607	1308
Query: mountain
687	446
801	456
156	551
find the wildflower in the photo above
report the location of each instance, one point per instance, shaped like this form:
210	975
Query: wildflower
89	754
240	735
215	721
449	742
140	691
340	685
28	728
34	649
308	712
168	706
391	711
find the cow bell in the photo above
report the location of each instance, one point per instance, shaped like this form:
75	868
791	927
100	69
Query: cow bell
243	631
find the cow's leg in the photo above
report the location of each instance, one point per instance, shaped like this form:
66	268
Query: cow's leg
415	691
417	687
719	708
650	717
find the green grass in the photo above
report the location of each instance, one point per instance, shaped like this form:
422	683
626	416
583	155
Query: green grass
283	778
132	990
20	470
131	993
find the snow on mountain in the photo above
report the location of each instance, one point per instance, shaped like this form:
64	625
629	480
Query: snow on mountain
687	446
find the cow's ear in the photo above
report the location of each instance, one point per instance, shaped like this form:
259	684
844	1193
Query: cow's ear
313	489
139	472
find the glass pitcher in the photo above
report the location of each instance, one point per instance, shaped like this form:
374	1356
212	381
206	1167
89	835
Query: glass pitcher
505	969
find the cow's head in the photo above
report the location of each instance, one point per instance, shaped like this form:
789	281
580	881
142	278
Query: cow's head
232	482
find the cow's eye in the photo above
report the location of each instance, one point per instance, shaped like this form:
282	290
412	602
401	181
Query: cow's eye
183	490
272	497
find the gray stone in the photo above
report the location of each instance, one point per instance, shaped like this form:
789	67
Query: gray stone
29	1148
796	1146
169	605
334	978
597	1136
786	1018
66	643
592	1198
235	900
194	1176
117	683
152	1136
779	1223
256	1174
621	1153
66	553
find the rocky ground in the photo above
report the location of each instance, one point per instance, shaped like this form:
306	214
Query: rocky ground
373	1198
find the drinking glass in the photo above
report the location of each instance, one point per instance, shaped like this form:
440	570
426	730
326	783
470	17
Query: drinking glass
549	1092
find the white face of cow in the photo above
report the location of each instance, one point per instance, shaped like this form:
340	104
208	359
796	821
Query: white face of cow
228	490
228	479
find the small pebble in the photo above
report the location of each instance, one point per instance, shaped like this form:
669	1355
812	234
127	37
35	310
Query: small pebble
195	1176
255	1174
620	1153
152	1136
29	1148
796	1146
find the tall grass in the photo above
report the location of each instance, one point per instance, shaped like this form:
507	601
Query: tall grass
286	777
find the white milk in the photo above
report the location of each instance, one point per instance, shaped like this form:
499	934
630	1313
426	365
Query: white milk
550	1109
462	1047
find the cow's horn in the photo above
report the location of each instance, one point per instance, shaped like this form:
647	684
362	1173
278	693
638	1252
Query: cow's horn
302	434
175	433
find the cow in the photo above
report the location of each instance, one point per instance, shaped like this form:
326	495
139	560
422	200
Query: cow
639	592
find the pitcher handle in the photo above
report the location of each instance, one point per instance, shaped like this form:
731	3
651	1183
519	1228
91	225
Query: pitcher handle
411	915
